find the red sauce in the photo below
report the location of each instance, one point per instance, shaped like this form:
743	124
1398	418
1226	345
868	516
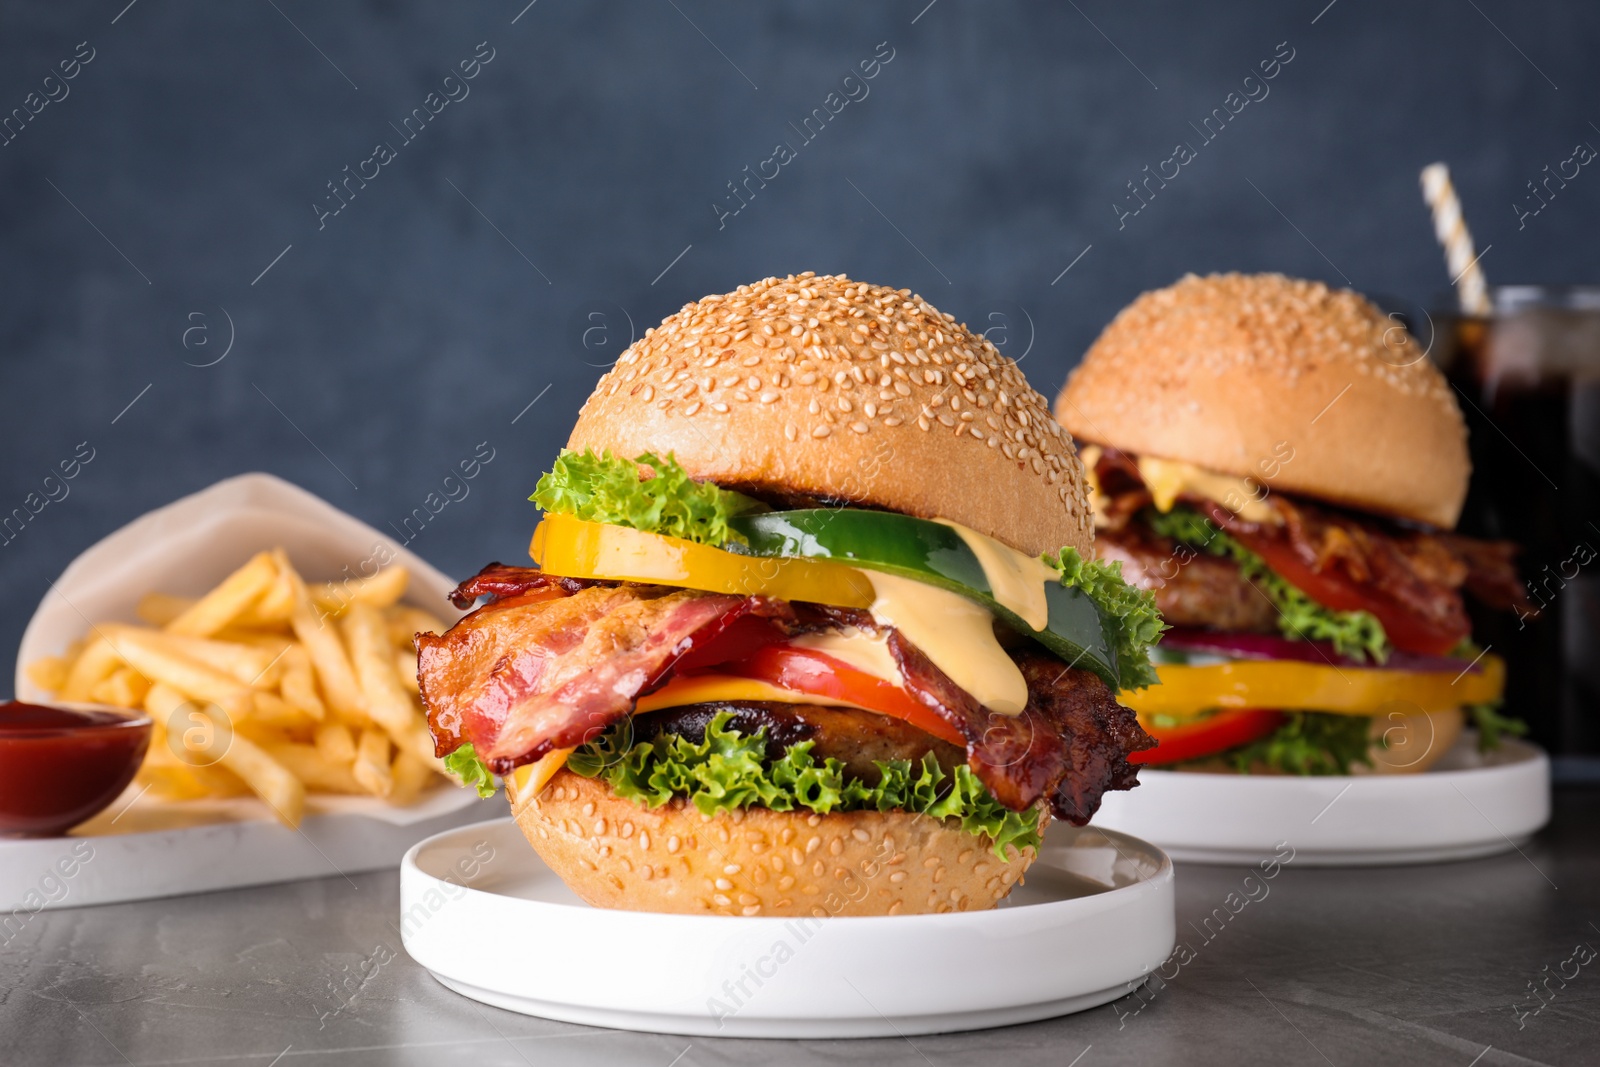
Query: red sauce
61	766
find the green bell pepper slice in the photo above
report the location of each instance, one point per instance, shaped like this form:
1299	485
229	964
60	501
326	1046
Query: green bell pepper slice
934	553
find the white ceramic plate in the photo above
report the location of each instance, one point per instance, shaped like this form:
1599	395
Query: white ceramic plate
482	912
1467	805
153	849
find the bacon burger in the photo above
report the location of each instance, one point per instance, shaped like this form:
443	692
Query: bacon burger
1281	466
815	626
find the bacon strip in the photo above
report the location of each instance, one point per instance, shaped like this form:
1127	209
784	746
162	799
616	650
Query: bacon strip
522	677
1070	744
498	581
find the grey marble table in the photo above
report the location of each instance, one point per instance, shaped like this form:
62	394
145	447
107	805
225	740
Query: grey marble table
1418	965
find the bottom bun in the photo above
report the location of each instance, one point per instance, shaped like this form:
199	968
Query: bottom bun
1415	741
615	853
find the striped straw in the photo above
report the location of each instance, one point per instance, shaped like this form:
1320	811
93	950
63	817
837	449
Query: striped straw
1451	229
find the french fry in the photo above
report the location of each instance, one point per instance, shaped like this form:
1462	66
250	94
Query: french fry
161	700
273	711
124	689
371	766
267	778
232	751
418	741
411	776
276	603
328	660
50	673
154	658
318	772
200	738
93	666
405	666
379	591
405	622
224	603
297	684
249	664
273	642
179	781
335	743
388	703
158	609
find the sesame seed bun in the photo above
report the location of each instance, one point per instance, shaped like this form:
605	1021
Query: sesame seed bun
1220	371
615	853
828	388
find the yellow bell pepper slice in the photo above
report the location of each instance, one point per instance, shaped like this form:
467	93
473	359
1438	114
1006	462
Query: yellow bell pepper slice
1286	684
574	548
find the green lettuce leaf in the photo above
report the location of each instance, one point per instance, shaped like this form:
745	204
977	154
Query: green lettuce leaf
1357	634
729	769
610	489
470	770
1130	617
1310	742
1492	726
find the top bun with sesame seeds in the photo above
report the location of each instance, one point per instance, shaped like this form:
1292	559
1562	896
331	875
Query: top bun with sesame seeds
1222	371
818	387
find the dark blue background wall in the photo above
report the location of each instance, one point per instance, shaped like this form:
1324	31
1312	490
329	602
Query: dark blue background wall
579	176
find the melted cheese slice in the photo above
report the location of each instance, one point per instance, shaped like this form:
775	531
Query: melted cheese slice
1167	478
956	634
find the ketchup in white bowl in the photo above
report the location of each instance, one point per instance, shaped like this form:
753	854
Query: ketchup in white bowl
61	765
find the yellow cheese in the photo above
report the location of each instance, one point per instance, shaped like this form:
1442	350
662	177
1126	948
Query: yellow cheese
529	780
1016	579
1168	478
717	688
957	634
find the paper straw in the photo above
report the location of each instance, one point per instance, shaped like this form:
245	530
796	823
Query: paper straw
1451	229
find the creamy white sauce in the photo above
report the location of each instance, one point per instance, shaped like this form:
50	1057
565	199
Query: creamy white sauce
864	652
1167	478
1016	579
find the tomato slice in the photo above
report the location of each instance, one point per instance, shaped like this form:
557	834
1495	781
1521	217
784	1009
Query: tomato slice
1407	630
1207	736
805	670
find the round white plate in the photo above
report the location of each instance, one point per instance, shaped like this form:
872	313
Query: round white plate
1467	805
482	912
